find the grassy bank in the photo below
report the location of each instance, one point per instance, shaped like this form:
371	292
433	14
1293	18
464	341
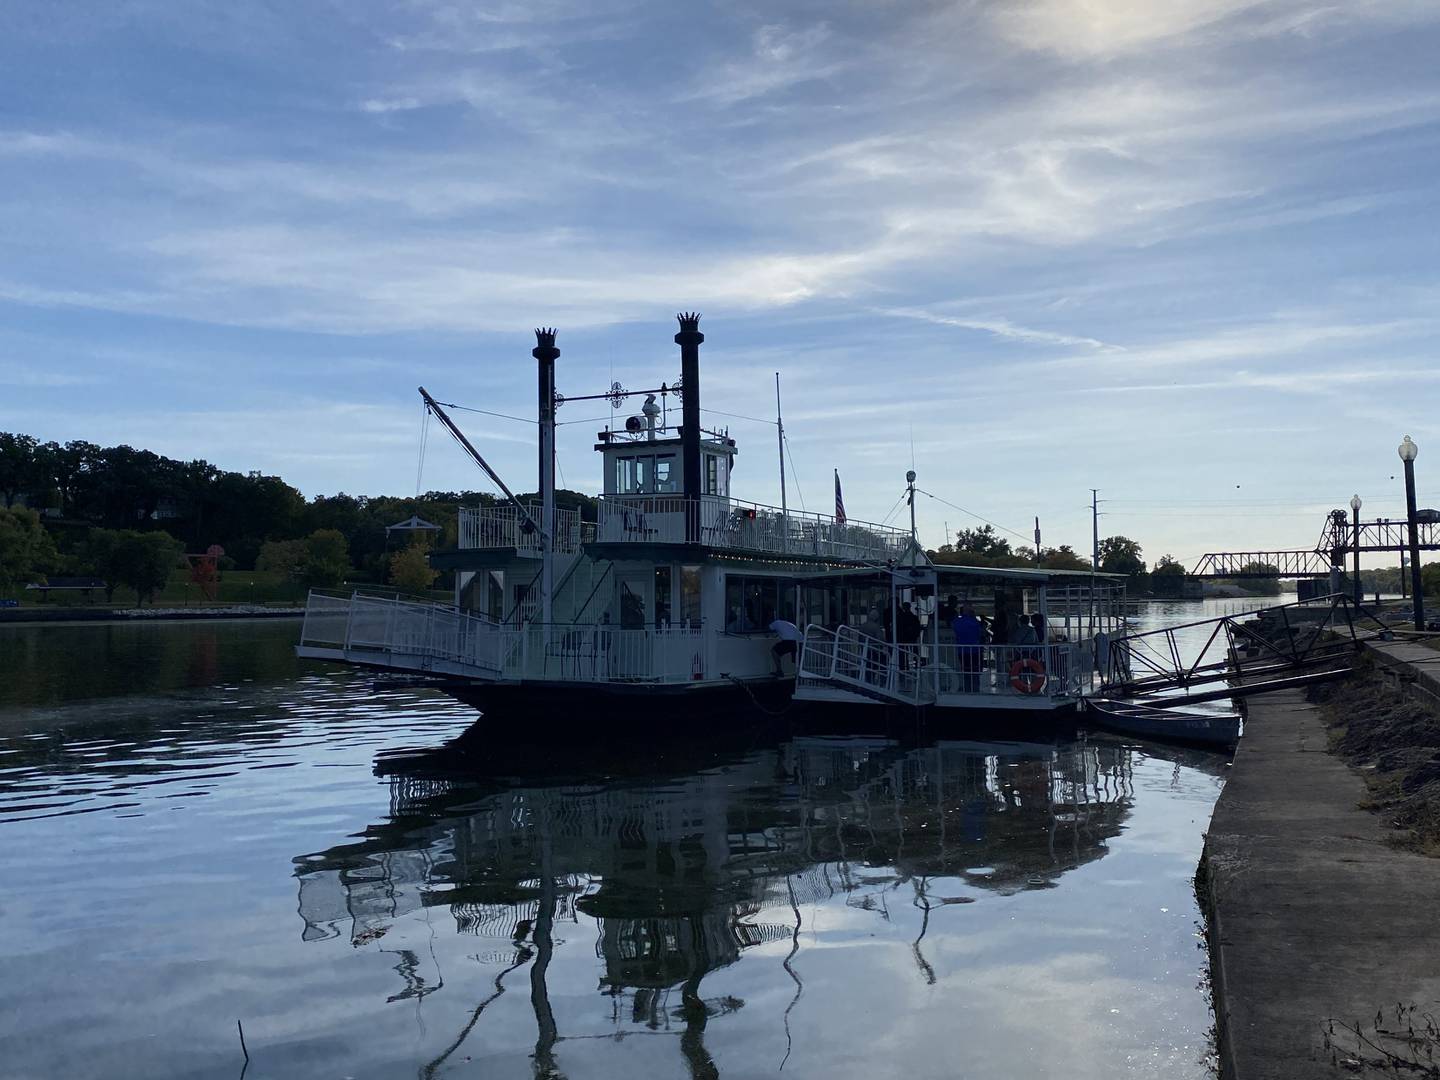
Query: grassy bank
1394	741
235	587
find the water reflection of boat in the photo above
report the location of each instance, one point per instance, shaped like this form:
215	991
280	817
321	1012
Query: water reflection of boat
680	874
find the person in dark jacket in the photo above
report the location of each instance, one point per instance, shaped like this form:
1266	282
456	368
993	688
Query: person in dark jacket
968	635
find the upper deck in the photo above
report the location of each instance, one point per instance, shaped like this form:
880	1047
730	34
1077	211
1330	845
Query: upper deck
711	521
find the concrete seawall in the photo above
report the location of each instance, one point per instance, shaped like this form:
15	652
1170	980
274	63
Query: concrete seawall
1313	913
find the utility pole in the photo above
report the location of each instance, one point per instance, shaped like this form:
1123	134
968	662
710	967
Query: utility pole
1094	550
1095	528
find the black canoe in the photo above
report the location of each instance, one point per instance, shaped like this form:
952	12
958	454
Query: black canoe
1171	725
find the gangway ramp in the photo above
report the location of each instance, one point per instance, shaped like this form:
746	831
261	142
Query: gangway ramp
853	665
1270	648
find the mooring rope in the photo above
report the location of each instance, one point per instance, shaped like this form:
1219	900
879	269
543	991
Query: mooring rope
756	701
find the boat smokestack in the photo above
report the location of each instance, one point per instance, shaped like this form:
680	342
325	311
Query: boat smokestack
689	339
546	353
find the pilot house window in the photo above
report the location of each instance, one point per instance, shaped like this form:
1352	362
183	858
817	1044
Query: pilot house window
646	474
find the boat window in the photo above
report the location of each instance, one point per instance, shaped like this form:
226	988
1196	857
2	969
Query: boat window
717	475
632	608
690	595
667	477
644	475
662	596
753	603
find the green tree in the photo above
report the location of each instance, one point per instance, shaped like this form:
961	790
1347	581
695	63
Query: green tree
1168	577
20	468
1430	579
1121	555
96	557
410	569
1261	578
327	557
284	557
1062	558
144	561
27	553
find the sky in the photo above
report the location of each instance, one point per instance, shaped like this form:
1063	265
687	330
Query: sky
1182	251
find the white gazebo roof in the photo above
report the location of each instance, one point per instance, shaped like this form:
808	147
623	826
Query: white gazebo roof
414	523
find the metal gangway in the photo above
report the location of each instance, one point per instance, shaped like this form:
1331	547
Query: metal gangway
852	661
1271	648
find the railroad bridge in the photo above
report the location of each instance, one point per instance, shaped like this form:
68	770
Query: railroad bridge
1338	539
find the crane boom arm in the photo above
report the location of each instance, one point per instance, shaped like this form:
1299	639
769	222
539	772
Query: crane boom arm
443	417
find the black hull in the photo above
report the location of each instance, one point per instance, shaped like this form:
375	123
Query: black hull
536	715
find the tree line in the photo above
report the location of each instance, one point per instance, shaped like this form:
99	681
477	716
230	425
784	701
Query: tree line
122	514
1118	555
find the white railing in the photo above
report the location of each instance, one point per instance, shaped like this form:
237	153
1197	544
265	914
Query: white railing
846	656
1058	670
504	527
418	636
720	522
924	673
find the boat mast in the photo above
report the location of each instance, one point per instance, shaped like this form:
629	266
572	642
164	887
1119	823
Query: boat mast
780	442
910	494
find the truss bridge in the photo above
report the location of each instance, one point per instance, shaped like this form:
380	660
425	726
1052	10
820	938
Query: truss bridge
1339	539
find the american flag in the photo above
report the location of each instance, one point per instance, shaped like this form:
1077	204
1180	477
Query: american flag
839	500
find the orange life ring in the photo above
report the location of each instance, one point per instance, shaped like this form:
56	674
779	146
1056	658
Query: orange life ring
1027	676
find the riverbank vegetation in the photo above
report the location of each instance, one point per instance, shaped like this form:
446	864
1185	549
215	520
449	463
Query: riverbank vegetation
1394	740
81	510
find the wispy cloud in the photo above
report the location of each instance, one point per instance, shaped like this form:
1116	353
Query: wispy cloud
1003	328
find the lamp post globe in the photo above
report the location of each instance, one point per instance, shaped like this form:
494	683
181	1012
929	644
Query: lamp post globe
1355	546
1408	450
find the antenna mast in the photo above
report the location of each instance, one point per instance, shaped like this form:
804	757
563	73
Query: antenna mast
780	441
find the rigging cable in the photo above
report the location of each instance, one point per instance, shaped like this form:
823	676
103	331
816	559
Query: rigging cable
486	412
886	519
424	438
795	474
992	524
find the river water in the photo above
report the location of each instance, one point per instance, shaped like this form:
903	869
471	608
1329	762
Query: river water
198	829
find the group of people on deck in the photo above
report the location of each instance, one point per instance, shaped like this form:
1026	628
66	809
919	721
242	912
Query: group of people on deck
1006	628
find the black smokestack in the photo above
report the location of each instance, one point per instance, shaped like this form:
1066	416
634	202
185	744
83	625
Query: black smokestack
689	339
546	352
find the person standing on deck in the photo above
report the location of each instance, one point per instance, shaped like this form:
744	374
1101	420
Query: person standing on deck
788	645
968	635
907	635
1024	634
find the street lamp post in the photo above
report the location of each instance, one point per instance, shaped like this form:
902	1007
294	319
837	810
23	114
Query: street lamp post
1408	451
1355	519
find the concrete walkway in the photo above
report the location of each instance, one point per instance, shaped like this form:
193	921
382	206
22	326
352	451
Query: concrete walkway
1312	914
